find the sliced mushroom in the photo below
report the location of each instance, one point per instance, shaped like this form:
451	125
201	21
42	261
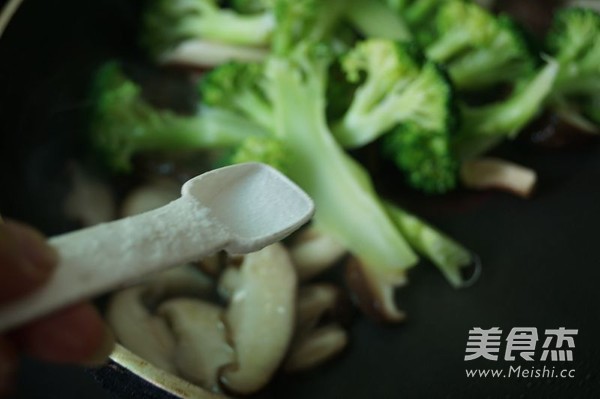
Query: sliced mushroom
130	314
313	252
90	201
150	196
373	292
486	173
313	344
314	302
260	318
138	330
201	348
181	281
229	282
316	348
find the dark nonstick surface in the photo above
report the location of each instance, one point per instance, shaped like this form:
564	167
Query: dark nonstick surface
541	262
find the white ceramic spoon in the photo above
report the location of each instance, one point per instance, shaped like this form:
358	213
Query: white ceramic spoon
240	208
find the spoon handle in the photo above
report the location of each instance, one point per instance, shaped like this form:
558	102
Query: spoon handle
100	258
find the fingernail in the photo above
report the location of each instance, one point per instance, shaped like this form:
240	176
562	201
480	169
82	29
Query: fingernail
33	247
100	355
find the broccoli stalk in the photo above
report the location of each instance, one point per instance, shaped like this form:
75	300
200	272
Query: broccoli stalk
298	20
124	124
417	15
485	126
506	118
375	19
416	12
168	24
412	101
445	253
347	206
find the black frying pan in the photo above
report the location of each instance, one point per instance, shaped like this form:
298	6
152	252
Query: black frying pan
541	259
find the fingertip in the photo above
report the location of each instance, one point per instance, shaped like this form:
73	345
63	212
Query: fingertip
75	335
26	258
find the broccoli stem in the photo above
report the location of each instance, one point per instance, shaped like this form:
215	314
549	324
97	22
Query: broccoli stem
448	45
230	27
445	253
508	117
219	128
376	19
347	206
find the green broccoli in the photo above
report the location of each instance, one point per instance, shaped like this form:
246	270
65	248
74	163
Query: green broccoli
445	253
265	149
485	126
574	40
168	23
416	12
418	16
252	6
312	20
410	100
376	19
394	87
424	156
124	124
569	81
478	48
347	206
234	85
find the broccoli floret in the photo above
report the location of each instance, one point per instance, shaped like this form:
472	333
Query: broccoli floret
418	16
425	157
124	124
235	86
460	26
448	255
168	23
574	40
376	19
312	20
485	126
411	102
393	88
478	48
265	149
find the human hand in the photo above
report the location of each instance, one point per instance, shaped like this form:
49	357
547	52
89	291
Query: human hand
76	334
